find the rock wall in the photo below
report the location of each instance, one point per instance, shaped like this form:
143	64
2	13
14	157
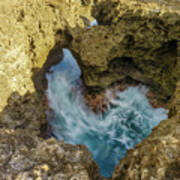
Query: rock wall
26	157
32	34
135	39
28	31
158	156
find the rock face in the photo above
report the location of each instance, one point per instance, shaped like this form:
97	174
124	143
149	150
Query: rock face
24	112
158	156
26	157
32	34
28	31
134	39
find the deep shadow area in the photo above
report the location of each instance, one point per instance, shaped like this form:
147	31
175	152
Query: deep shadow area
28	112
25	112
39	79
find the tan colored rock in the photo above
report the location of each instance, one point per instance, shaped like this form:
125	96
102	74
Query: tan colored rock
108	12
146	49
24	156
135	39
27	33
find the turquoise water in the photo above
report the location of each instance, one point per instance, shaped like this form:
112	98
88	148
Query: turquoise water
94	23
128	120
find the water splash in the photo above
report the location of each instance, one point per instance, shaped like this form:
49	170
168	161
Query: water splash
94	23
128	120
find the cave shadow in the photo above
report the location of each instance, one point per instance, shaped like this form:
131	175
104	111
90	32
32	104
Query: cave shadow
29	111
39	74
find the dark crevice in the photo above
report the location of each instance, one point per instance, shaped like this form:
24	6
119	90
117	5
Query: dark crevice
39	79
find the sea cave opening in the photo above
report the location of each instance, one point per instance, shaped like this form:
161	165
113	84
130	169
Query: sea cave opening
129	117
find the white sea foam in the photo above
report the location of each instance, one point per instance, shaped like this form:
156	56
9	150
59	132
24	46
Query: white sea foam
127	121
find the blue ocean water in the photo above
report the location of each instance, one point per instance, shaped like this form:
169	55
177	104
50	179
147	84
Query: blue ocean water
94	23
128	120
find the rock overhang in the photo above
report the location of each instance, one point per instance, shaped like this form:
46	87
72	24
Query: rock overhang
29	31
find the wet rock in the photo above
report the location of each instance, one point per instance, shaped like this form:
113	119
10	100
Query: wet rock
99	101
28	31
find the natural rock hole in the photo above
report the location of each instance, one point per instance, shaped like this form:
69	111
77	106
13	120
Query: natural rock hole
128	120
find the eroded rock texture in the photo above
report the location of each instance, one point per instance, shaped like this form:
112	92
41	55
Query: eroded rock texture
24	112
32	34
26	157
135	39
158	156
28	31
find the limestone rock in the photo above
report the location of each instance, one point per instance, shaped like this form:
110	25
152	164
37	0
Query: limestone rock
24	112
24	156
28	31
157	157
108	12
136	38
133	40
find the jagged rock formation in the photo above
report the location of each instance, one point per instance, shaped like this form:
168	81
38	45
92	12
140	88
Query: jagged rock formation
26	157
158	156
28	31
24	112
134	39
32	34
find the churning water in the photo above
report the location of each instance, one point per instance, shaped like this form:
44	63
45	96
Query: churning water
128	120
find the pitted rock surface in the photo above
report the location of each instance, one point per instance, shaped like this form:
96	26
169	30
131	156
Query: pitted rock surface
136	38
28	31
24	156
158	156
133	40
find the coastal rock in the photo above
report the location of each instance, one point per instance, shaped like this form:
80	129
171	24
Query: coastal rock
25	112
157	157
135	39
24	156
28	31
138	40
32	34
